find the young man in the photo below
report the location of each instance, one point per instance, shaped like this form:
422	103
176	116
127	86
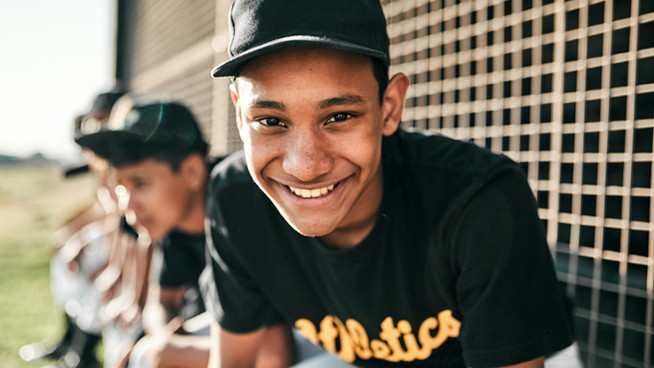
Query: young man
80	254
159	156
382	246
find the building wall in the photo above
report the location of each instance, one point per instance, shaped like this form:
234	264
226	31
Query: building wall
169	47
564	87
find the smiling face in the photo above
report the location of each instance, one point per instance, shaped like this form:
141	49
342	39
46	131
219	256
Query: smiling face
162	199
311	124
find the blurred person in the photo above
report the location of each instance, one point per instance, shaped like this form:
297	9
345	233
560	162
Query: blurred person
159	157
123	280
99	273
79	254
383	246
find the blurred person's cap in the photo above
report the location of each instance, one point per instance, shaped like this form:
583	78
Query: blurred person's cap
73	170
261	26
139	124
105	101
96	117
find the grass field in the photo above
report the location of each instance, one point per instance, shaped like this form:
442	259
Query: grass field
34	201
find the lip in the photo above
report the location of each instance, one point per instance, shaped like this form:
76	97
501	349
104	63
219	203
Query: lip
308	193
144	221
318	194
148	225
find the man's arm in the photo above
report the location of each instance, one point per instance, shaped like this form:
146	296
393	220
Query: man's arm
505	277
161	307
536	363
269	347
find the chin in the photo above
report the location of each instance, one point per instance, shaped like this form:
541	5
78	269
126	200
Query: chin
311	224
155	235
310	230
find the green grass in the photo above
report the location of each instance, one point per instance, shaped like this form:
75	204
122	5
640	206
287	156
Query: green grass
34	202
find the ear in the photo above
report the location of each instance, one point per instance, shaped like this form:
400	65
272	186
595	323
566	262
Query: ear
393	103
233	93
194	171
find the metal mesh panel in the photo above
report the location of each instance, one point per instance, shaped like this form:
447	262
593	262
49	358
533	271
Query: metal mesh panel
192	86
567	90
169	47
165	28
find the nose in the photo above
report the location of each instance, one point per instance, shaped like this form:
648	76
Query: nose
307	155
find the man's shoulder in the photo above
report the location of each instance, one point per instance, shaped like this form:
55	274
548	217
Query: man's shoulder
232	190
425	151
178	237
229	171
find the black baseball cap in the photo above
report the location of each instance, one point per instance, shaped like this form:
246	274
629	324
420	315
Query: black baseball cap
138	127
105	101
94	119
261	26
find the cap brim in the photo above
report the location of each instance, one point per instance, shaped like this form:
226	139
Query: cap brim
233	66
109	144
70	172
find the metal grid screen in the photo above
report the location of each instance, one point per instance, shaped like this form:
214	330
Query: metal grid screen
566	88
168	48
166	28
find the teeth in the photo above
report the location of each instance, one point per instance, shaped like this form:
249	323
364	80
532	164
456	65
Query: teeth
311	193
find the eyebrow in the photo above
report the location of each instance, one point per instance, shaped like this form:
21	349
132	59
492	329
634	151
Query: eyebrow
324	104
264	104
341	100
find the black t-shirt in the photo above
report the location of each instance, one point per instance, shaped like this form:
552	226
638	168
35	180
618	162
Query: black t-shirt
183	259
456	266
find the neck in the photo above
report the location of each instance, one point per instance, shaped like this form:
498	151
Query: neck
350	236
362	219
194	219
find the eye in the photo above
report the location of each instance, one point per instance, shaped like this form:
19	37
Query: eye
137	184
270	122
339	117
140	184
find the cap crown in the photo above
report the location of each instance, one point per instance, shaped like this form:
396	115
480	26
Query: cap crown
260	26
140	127
160	122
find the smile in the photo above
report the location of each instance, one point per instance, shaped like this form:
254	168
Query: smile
311	193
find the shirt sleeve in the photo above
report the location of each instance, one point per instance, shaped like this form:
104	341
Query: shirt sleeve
230	294
504	281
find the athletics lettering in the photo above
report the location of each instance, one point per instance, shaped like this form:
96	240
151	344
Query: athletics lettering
396	343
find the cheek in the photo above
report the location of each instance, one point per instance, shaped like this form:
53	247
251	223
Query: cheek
364	149
163	199
248	145
368	156
260	151
252	158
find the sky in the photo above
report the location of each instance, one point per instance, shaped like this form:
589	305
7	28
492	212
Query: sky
55	56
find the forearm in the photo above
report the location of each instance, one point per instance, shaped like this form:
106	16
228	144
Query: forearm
270	347
161	308
276	350
156	318
536	363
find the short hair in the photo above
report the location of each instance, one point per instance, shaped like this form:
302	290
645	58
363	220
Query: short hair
171	156
380	71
